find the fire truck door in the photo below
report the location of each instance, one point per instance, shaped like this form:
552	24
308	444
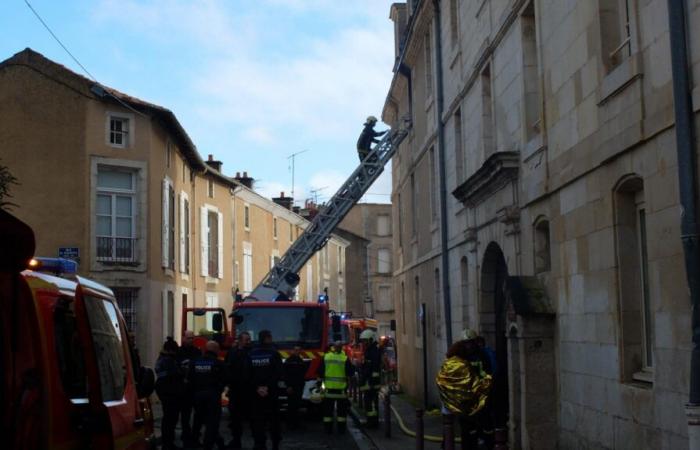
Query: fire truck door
114	420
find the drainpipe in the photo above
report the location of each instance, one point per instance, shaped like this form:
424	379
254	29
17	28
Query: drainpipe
687	180
443	183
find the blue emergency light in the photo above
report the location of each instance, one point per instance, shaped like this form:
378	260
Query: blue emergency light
58	266
322	298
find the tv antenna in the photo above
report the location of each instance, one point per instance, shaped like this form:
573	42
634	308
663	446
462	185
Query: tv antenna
292	157
314	193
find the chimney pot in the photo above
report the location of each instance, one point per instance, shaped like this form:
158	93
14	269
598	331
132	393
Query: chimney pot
238	174
245	174
211	157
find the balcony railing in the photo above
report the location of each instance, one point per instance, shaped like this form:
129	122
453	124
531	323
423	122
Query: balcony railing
116	249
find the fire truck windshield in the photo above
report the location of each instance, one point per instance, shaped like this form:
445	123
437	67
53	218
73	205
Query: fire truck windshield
342	336
289	326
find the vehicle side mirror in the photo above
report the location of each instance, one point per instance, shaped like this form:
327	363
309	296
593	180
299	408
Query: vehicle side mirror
237	319
217	322
146	382
335	323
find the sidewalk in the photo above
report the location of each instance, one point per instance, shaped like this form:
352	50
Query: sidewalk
400	440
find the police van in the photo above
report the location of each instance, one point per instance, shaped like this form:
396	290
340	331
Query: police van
69	375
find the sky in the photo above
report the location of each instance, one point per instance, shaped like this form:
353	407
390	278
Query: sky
252	81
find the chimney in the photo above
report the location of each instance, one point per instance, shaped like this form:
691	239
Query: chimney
216	165
245	180
286	202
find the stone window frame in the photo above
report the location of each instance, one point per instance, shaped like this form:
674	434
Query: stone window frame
618	30
634	294
130	135
541	245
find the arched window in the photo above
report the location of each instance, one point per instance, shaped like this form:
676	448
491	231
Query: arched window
633	273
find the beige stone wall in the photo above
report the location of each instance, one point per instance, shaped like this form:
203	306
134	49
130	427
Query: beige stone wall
600	122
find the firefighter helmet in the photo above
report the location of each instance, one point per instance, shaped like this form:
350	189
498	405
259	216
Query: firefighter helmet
315	396
369	335
371	119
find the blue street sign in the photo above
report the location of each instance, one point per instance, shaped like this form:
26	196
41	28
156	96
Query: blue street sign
69	253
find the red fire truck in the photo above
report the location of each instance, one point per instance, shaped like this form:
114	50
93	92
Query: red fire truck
69	375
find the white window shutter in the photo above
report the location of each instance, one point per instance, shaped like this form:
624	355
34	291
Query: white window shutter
204	243
182	232
164	321
220	241
164	227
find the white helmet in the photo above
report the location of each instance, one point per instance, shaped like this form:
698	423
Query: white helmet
315	396
369	335
371	119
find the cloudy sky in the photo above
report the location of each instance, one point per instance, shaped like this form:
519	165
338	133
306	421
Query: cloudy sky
252	81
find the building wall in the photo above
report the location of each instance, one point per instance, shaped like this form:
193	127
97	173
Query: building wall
536	78
54	136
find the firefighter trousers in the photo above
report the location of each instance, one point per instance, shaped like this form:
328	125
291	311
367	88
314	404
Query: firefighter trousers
337	400
370	398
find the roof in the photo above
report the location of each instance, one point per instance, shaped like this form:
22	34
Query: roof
97	91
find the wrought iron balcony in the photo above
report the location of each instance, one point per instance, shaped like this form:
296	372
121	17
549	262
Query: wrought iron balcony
117	249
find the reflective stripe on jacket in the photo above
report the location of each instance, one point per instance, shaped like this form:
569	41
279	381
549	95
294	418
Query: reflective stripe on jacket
335	376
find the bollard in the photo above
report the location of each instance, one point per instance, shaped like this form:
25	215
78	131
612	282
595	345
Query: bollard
387	414
448	432
419	429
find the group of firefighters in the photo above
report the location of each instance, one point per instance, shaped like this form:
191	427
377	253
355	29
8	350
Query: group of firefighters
253	377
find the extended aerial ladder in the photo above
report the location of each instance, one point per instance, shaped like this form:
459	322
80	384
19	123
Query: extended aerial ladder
280	282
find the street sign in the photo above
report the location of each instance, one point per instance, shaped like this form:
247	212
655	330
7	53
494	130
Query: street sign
69	253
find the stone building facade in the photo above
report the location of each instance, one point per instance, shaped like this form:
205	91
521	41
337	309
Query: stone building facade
542	134
372	294
119	179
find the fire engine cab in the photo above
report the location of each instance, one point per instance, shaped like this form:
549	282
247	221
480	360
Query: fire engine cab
69	375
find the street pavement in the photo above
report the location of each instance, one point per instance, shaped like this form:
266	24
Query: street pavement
311	435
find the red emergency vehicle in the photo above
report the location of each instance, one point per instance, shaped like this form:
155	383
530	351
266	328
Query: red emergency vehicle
349	335
68	371
207	324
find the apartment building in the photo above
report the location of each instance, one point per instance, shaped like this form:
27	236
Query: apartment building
117	183
536	200
372	290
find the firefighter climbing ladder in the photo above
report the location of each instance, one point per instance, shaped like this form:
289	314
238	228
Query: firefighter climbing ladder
283	277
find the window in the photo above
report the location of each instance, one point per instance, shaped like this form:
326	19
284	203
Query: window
533	99
542	246
114	207
107	338
247	267
384	299
414	206
118	131
246	217
184	171
383	260
433	186
168	155
403	309
428	66
274	227
210	188
486	117
615	31
69	352
636	313
212	242
291	233
184	233
459	150
126	300
454	22
399	214
417	302
464	281
383	227
169	314
438	303
309	282
168	225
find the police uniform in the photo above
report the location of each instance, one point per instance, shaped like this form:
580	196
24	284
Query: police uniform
265	370
169	387
238	394
335	370
371	382
206	380
185	355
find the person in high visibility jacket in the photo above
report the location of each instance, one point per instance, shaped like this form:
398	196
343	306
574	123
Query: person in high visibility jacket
335	370
371	377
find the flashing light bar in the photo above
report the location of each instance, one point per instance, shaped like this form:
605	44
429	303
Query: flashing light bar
58	266
322	298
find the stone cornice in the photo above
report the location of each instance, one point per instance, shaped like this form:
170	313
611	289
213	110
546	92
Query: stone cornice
499	169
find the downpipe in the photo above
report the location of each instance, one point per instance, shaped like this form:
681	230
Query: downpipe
687	181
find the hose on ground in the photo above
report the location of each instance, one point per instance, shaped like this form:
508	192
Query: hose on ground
409	432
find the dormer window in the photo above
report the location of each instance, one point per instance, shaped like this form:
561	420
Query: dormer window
119	130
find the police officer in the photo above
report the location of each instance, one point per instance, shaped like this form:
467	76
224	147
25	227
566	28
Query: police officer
238	394
335	370
265	380
185	355
294	374
371	377
206	379
169	387
368	137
